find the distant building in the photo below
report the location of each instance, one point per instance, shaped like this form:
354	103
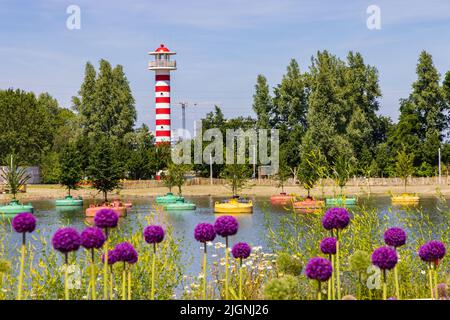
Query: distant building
34	173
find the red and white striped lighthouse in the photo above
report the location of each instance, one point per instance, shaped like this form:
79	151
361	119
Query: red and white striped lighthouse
162	66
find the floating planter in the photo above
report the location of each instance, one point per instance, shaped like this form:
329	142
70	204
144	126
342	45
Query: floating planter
406	199
309	205
120	208
181	204
169	197
69	201
283	198
233	206
15	207
341	201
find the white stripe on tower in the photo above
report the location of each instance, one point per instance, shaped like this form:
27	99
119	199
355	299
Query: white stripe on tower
162	100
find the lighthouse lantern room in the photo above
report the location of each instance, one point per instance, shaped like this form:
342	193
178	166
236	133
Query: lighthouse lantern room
162	65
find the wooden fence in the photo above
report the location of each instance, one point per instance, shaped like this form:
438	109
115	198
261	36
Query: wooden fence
357	181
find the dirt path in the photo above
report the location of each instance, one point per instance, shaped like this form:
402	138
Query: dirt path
37	192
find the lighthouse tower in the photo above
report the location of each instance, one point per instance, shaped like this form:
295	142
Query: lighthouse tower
162	66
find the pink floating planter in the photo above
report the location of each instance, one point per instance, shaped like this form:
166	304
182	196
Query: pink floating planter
283	198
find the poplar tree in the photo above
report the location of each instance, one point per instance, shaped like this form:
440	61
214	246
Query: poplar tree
262	103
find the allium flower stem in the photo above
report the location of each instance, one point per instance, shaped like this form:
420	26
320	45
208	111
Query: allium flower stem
226	268
129	284
338	276
94	293
66	276
204	271
152	292
319	290
111	281
330	281
430	279
124	281
22	267
384	284
436	280
397	285
240	279
105	268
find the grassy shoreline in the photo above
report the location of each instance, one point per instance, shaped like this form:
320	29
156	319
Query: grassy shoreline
42	192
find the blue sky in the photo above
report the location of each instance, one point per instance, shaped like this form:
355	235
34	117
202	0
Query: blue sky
221	45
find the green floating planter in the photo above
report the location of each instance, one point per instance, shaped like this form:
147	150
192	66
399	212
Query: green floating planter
15	207
181	205
340	201
69	201
168	198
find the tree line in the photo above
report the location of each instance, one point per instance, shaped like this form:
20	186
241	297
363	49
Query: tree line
328	117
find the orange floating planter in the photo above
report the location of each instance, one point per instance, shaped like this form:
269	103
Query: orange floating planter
308	205
282	198
120	207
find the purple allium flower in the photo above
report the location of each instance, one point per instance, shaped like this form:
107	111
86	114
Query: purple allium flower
384	258
24	222
328	245
126	252
319	269
241	250
336	218
66	240
204	232
395	237
92	238
106	218
153	234
432	251
226	226
112	257
392	298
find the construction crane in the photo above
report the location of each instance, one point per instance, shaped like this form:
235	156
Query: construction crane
185	104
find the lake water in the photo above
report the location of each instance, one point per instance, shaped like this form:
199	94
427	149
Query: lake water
251	228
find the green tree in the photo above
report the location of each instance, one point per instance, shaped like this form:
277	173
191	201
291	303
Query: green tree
262	103
71	171
26	128
283	174
15	176
175	176
105	102
404	165
141	162
423	115
327	121
342	169
237	176
104	169
50	167
308	174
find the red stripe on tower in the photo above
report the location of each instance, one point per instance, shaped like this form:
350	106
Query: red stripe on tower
163	122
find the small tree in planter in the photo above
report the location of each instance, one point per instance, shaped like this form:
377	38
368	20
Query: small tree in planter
16	177
283	175
71	171
404	166
175	176
342	170
104	167
237	176
169	179
308	174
